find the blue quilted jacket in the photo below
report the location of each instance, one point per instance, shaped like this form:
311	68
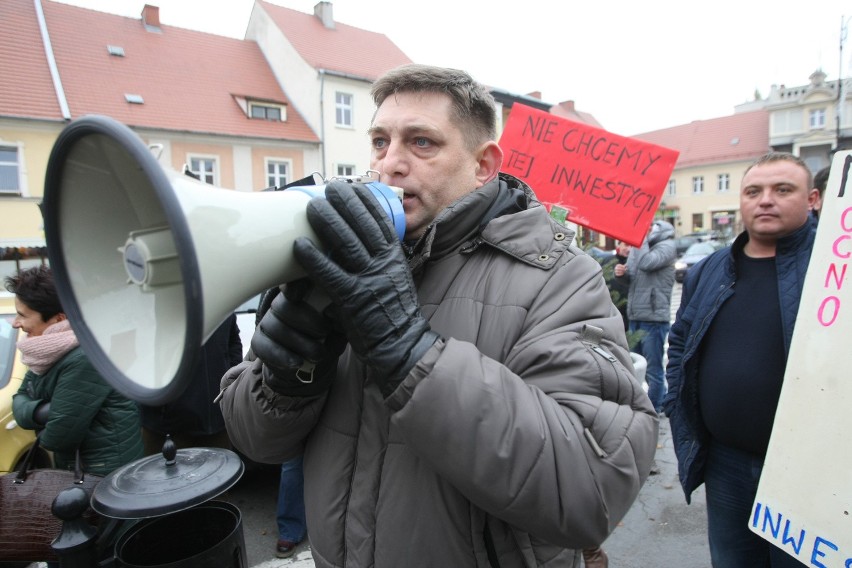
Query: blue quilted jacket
707	286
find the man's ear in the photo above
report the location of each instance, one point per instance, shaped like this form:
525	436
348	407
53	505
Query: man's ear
813	198
489	158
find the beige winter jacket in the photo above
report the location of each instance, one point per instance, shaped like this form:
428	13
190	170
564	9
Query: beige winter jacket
518	439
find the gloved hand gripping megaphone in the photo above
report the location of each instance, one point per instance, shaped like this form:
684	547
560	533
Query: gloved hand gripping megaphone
148	261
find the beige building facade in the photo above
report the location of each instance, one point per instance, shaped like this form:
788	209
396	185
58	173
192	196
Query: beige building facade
811	121
705	198
702	195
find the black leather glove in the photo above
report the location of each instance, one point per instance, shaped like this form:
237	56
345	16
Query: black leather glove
366	276
297	344
41	413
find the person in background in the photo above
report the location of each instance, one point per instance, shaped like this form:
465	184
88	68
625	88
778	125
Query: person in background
290	509
290	514
650	270
62	394
728	351
619	287
469	399
621	284
820	181
194	420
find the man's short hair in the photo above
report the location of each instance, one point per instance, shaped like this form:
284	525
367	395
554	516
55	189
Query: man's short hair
473	106
36	289
772	157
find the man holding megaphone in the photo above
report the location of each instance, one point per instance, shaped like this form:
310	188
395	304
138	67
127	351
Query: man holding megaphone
469	399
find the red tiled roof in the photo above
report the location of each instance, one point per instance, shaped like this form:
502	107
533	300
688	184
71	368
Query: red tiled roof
26	89
711	141
187	79
566	109
344	49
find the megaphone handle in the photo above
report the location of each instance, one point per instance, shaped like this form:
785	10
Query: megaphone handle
318	300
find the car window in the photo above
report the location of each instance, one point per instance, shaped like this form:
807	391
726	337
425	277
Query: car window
8	340
700	248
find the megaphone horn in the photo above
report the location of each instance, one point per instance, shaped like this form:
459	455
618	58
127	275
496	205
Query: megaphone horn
148	261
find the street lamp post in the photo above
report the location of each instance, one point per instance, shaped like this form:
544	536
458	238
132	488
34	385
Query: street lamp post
844	21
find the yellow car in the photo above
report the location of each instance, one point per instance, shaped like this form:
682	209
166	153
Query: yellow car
14	440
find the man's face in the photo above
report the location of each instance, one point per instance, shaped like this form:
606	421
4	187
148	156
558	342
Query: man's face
30	320
775	200
417	146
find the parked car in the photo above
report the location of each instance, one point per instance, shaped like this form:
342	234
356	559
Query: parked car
14	440
684	242
693	254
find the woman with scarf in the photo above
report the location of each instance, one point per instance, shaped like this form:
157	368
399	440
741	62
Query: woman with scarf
62	394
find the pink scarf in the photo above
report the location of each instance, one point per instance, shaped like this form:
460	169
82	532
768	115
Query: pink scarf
39	353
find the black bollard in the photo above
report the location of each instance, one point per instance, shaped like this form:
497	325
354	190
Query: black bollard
75	544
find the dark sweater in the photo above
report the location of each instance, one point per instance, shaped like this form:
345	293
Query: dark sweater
742	358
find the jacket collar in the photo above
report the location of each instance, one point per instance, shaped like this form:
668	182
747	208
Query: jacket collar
503	213
785	244
463	220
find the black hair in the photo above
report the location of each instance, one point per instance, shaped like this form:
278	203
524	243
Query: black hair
36	289
821	179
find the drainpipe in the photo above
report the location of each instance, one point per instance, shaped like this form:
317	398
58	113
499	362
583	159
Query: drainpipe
51	62
322	119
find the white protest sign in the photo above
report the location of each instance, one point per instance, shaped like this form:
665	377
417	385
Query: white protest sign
804	501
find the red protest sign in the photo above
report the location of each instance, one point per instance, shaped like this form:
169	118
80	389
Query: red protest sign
609	183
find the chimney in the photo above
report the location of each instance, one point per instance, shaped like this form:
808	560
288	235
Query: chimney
151	16
323	11
535	95
568	105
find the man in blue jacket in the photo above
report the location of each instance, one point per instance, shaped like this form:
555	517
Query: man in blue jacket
728	351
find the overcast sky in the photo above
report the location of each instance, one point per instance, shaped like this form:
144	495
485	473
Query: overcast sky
635	66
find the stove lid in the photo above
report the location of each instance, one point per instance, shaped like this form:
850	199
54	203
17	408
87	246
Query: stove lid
166	483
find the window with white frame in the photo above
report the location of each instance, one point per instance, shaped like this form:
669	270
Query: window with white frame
723	182
787	121
672	187
698	184
345	170
9	170
204	168
277	173
343	109
817	118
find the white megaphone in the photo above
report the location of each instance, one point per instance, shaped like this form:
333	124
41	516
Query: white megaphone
148	261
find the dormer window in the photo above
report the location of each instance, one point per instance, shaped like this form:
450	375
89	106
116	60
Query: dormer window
267	111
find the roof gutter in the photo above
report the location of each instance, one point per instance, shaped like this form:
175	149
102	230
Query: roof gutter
51	62
346	75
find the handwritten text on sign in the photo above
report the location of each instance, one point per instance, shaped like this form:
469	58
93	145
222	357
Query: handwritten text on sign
835	275
810	547
607	182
